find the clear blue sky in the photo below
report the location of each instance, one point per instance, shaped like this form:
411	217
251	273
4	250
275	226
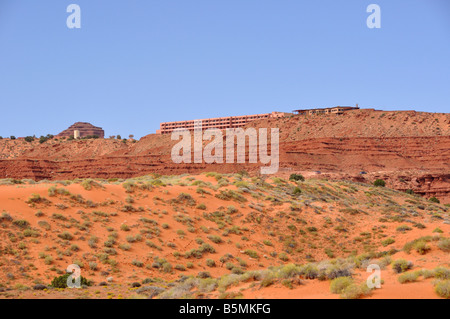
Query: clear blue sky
136	63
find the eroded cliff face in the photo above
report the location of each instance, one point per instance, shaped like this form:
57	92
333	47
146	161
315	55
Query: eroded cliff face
360	146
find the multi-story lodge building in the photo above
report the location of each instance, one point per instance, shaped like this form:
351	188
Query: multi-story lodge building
217	122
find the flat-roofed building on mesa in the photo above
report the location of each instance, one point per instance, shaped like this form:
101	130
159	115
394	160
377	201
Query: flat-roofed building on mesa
327	110
217	122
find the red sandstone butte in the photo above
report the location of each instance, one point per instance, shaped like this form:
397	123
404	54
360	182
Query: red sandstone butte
409	150
86	129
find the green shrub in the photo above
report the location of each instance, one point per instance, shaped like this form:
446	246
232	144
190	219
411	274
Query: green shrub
124	227
379	183
401	265
408	277
283	256
252	253
21	223
180	267
65	235
421	247
403	228
444	244
215	239
354	291
137	263
201	206
441	273
387	242
442	288
434	200
61	281
296	177
338	285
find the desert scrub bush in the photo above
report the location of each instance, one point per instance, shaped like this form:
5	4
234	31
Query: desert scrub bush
338	285
227	281
133	239
65	235
283	256
129	186
231	195
355	291
125	247
48	260
93	241
296	177
43	224
421	247
309	271
251	253
30	233
444	244
202	191
207	285
379	183
87	184
180	267
441	273
129	199
288	271
61	281
201	206
329	253
59	217
215	239
124	227
166	267
267	242
21	223
181	233
231	209
210	263
5	217
52	191
434	200
401	265
412	244
387	242
185	199
408	277
296	191
442	288
403	228
137	263
37	199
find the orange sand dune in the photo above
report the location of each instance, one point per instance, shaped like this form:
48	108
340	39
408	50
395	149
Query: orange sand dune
139	222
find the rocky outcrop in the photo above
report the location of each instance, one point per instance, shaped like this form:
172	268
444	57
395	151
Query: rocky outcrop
86	129
410	151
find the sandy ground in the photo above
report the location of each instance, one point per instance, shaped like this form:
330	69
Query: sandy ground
168	228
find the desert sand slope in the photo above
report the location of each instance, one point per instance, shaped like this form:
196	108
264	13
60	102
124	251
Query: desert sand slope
256	238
